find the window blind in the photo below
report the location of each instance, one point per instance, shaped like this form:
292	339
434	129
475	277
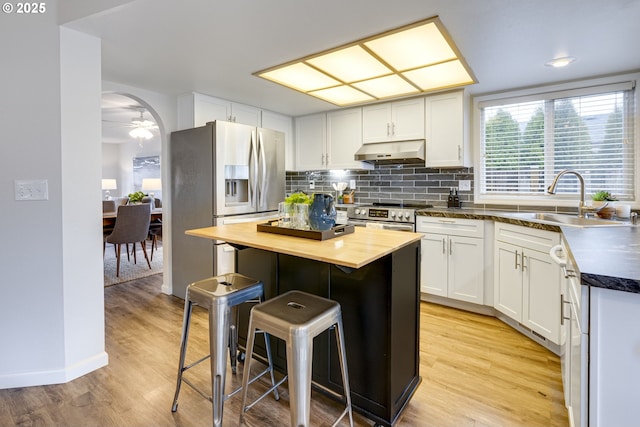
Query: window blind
526	143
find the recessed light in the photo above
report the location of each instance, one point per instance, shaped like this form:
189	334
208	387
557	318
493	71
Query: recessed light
560	62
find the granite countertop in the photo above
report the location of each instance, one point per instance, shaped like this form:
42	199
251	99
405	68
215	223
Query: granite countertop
606	257
500	216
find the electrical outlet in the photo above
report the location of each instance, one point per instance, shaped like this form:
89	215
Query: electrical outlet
31	189
352	184
464	185
312	185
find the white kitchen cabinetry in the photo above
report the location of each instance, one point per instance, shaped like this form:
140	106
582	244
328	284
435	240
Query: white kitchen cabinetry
527	280
329	141
344	138
311	141
282	123
393	121
452	258
446	130
196	109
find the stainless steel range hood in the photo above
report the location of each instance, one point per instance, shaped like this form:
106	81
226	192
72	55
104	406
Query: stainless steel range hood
392	152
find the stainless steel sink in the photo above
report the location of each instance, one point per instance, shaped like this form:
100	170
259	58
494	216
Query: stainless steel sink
565	219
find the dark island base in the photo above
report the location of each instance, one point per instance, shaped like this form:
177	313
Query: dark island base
380	311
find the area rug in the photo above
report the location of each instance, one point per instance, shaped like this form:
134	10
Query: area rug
128	270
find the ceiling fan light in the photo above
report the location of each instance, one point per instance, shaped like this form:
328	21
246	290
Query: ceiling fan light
141	133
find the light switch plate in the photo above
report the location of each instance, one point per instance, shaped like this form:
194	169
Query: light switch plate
31	189
464	185
312	185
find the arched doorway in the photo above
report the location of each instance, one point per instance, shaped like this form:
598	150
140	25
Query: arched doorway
131	161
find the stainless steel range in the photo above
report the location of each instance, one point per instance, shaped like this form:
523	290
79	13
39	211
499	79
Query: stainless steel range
400	217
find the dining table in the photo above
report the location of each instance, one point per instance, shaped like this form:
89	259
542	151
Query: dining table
109	219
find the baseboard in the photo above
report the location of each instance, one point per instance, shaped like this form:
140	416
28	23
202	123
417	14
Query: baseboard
58	376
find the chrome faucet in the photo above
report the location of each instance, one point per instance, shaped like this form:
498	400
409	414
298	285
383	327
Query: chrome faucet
582	208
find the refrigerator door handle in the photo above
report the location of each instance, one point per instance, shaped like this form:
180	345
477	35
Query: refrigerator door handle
262	157
253	172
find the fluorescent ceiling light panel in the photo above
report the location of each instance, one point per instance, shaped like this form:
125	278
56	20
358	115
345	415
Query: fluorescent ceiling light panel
419	57
388	86
448	74
342	95
412	48
350	64
301	77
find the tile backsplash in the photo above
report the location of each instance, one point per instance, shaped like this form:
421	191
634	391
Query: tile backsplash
394	183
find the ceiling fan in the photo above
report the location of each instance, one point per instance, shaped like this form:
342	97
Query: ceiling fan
141	127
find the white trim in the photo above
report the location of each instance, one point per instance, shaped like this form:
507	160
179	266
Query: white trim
57	376
587	86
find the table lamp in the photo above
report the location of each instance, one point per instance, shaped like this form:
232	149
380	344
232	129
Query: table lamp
151	184
109	184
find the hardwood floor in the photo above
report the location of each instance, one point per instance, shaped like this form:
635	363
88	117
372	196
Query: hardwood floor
476	372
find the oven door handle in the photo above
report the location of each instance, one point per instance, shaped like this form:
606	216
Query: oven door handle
398	227
384	226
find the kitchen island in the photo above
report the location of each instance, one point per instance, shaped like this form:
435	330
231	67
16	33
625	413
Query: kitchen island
374	275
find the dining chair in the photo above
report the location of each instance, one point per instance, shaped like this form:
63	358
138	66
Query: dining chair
132	225
155	231
108	206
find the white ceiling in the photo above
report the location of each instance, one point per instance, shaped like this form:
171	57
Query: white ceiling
213	47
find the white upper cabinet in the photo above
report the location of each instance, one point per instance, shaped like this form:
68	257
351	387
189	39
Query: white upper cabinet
393	121
311	141
446	130
344	138
282	123
196	109
329	140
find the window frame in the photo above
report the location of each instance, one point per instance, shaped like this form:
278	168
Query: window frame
570	89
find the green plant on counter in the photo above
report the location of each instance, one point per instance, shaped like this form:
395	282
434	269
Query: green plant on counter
603	196
136	197
299	197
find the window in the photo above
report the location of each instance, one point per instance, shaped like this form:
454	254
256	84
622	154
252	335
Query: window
526	141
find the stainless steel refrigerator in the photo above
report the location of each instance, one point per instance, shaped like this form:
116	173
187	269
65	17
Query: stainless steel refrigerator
219	173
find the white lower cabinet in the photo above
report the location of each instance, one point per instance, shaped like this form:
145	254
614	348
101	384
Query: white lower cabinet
452	263
527	281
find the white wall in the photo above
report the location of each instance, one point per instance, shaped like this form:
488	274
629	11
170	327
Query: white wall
52	316
83	279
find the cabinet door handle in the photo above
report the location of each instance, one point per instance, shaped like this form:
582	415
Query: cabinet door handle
450	247
459	152
522	263
393	129
562	303
388	129
517	266
444	245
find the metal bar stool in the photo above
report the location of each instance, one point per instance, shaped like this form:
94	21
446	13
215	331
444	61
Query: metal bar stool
297	318
220	295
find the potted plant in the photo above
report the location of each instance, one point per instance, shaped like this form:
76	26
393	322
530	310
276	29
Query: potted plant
600	198
603	196
136	197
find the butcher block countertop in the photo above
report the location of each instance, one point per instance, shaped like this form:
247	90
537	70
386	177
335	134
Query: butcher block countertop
353	250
